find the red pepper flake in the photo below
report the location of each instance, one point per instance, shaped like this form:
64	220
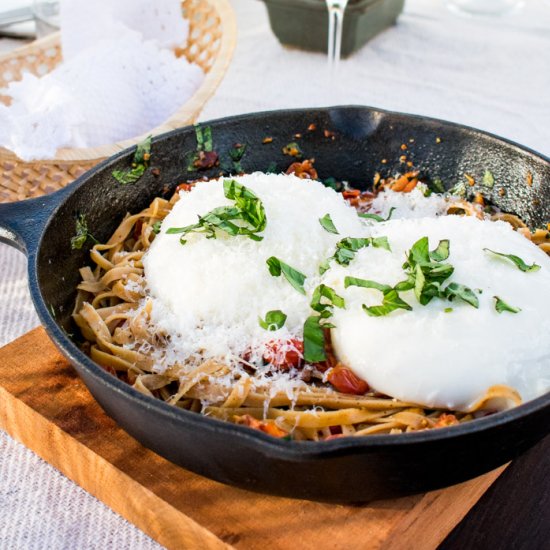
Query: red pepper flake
329	134
403	147
478	199
470	179
312	127
297	136
384	161
185	187
293	150
409	164
267	139
446	420
502	192
155	172
206	160
303	170
402	158
267	427
529	179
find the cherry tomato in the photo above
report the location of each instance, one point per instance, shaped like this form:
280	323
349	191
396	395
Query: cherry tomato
344	380
185	187
292	357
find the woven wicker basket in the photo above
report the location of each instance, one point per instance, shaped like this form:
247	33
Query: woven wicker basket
212	37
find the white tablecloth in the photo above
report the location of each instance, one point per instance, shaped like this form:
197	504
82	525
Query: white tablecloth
492	73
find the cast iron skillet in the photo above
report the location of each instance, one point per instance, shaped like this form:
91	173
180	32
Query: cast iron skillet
342	470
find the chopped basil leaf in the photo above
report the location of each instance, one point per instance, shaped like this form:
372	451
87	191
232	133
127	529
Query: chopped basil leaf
364	283
459	190
236	155
325	266
381	242
333	184
488	179
272	168
448	310
328	224
324	291
204	156
390	303
156	227
248	209
519	263
140	163
314	340
501	305
441	253
455	290
274	320
204	138
376	217
437	185
82	234
347	247
293	276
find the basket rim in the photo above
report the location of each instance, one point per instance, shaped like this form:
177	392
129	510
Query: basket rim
187	113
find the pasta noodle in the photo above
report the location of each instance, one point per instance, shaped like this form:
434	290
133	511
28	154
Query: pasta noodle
113	313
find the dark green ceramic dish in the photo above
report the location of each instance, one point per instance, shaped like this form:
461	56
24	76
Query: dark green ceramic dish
304	23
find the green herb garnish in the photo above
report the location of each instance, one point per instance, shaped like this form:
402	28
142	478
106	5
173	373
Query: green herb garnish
204	156
390	302
293	276
448	310
156	227
236	155
436	185
328	224
331	299
459	190
314	340
516	260
455	290
441	253
333	184
347	247
248	212
501	305
488	179
82	234
376	217
140	163
274	320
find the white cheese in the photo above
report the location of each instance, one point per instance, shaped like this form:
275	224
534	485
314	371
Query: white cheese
441	359
212	291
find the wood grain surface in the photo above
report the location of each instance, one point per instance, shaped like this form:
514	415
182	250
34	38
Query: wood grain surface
45	405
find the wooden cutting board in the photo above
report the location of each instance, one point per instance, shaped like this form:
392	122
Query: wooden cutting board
45	406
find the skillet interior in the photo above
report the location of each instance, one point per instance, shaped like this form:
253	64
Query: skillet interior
344	470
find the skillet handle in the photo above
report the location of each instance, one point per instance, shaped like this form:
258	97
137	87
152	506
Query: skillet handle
22	222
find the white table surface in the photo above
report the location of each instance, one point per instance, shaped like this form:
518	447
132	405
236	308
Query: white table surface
493	74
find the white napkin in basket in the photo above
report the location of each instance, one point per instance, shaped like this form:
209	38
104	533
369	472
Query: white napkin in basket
113	84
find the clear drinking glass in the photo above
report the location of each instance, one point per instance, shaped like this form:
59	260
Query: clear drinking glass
484	7
336	9
46	16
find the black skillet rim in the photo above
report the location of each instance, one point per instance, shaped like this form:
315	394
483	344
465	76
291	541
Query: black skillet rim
284	449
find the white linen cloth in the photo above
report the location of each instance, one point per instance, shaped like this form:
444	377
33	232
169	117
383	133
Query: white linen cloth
490	73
